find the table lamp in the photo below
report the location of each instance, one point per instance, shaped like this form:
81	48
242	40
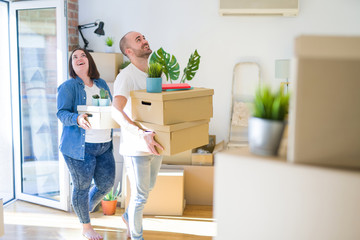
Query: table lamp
99	31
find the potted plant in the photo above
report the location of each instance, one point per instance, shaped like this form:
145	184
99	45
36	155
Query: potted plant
171	67
154	80
267	124
109	41
95	100
124	65
109	202
104	98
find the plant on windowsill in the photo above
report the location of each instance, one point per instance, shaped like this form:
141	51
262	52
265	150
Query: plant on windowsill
268	121
104	98
95	100
154	80
171	67
109	201
109	41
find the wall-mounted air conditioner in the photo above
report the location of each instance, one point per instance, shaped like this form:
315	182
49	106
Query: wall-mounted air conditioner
259	7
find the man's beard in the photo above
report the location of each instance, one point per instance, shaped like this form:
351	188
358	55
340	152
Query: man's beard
141	53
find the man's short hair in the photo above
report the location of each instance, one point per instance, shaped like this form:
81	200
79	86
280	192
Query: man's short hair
123	44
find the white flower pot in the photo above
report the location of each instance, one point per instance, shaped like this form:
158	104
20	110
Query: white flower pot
109	49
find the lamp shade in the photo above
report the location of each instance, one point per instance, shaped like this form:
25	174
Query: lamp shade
282	68
100	29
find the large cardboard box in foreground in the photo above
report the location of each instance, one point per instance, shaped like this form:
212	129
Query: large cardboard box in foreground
324	117
167	197
179	137
1	218
98	117
171	107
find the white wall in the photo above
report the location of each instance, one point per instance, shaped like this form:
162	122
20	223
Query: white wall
182	26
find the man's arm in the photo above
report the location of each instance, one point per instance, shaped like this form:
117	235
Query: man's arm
120	117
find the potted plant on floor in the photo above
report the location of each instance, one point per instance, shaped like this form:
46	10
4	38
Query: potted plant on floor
154	80
267	124
109	202
104	98
109	41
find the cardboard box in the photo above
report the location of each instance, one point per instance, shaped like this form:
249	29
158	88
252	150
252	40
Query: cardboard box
183	158
324	115
167	197
171	107
98	117
179	137
199	183
1	218
108	64
206	159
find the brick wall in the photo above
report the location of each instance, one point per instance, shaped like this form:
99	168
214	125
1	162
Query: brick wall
73	22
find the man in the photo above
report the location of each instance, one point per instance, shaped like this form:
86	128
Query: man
142	161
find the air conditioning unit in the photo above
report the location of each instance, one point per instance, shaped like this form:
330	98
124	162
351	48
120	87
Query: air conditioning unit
259	7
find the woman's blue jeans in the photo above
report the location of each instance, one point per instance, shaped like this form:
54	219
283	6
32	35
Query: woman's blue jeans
99	164
142	172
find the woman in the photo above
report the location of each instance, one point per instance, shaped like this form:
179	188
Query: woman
87	152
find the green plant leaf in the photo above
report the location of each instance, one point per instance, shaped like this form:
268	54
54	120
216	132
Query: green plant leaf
169	63
192	67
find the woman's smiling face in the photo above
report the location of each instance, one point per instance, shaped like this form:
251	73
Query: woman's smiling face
80	62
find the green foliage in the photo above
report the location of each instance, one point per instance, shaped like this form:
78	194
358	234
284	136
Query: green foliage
104	94
155	70
109	41
110	196
171	67
271	106
169	63
192	67
124	64
96	96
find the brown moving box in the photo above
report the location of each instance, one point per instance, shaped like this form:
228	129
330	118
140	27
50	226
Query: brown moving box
206	159
171	107
324	118
167	197
179	137
99	117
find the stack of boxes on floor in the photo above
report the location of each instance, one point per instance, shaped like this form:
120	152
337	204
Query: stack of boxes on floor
181	122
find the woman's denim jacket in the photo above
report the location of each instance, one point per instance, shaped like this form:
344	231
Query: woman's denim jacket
70	94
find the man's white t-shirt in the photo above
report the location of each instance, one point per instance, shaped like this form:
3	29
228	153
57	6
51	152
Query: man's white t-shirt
130	79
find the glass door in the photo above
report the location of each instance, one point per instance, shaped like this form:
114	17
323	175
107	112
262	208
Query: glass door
6	139
39	33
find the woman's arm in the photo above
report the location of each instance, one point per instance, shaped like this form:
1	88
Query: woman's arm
65	106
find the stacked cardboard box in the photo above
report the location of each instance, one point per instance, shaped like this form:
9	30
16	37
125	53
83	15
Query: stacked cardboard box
179	118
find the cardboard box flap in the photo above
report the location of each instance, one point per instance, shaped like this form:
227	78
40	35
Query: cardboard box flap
172	95
172	127
84	108
323	47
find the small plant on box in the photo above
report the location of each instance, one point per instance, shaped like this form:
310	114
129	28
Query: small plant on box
171	67
109	41
268	121
268	105
104	94
155	70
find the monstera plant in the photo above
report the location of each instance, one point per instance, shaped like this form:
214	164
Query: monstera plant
171	67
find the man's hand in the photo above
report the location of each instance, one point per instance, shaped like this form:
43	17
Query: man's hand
82	121
151	142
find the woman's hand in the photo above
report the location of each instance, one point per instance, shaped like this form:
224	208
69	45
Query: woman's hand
83	122
151	142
